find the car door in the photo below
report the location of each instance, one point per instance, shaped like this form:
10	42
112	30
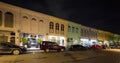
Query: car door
55	46
5	48
1	48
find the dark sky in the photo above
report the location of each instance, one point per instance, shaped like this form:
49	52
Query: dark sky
100	14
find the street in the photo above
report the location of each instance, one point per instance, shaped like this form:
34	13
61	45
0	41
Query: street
90	56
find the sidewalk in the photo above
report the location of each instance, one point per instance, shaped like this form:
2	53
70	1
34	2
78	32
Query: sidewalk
114	50
34	50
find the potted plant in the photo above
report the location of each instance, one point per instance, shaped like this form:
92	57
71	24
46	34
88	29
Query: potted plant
25	41
39	41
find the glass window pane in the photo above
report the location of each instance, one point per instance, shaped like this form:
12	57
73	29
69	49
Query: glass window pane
9	20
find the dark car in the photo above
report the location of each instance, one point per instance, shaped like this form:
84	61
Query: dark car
76	47
7	47
47	46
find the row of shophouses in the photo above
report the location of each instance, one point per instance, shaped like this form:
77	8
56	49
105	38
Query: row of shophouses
17	23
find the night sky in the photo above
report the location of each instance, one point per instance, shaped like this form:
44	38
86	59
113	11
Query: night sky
100	14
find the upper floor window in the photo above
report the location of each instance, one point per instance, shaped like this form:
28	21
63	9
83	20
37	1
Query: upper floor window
69	28
51	25
73	29
57	26
85	31
76	30
9	19
25	17
81	32
0	18
62	27
41	21
33	19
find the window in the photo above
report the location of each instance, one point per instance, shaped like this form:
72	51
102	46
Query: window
87	31
57	26
86	34
9	19
4	44
25	17
62	27
12	33
33	19
73	29
69	28
81	32
0	18
51	27
41	21
76	30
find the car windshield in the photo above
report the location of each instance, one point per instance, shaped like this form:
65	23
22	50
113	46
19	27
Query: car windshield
55	44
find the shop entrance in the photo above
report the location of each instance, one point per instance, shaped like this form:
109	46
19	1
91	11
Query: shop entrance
7	36
32	41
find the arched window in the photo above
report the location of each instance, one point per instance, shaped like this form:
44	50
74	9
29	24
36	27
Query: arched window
9	19
0	18
34	19
57	26
25	17
62	27
51	27
41	21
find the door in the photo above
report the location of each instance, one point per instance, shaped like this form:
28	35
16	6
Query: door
4	48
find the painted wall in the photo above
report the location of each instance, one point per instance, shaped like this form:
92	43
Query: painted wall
73	33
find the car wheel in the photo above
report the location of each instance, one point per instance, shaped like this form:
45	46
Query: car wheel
62	50
16	52
47	50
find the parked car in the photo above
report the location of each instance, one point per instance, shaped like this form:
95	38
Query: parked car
47	46
76	47
7	47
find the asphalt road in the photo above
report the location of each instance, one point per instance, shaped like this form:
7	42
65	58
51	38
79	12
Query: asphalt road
63	57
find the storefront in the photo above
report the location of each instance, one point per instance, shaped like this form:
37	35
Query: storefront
59	39
30	40
7	36
84	42
88	42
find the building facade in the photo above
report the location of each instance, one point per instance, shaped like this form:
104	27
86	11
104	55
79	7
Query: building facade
19	25
8	23
73	33
57	31
88	36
